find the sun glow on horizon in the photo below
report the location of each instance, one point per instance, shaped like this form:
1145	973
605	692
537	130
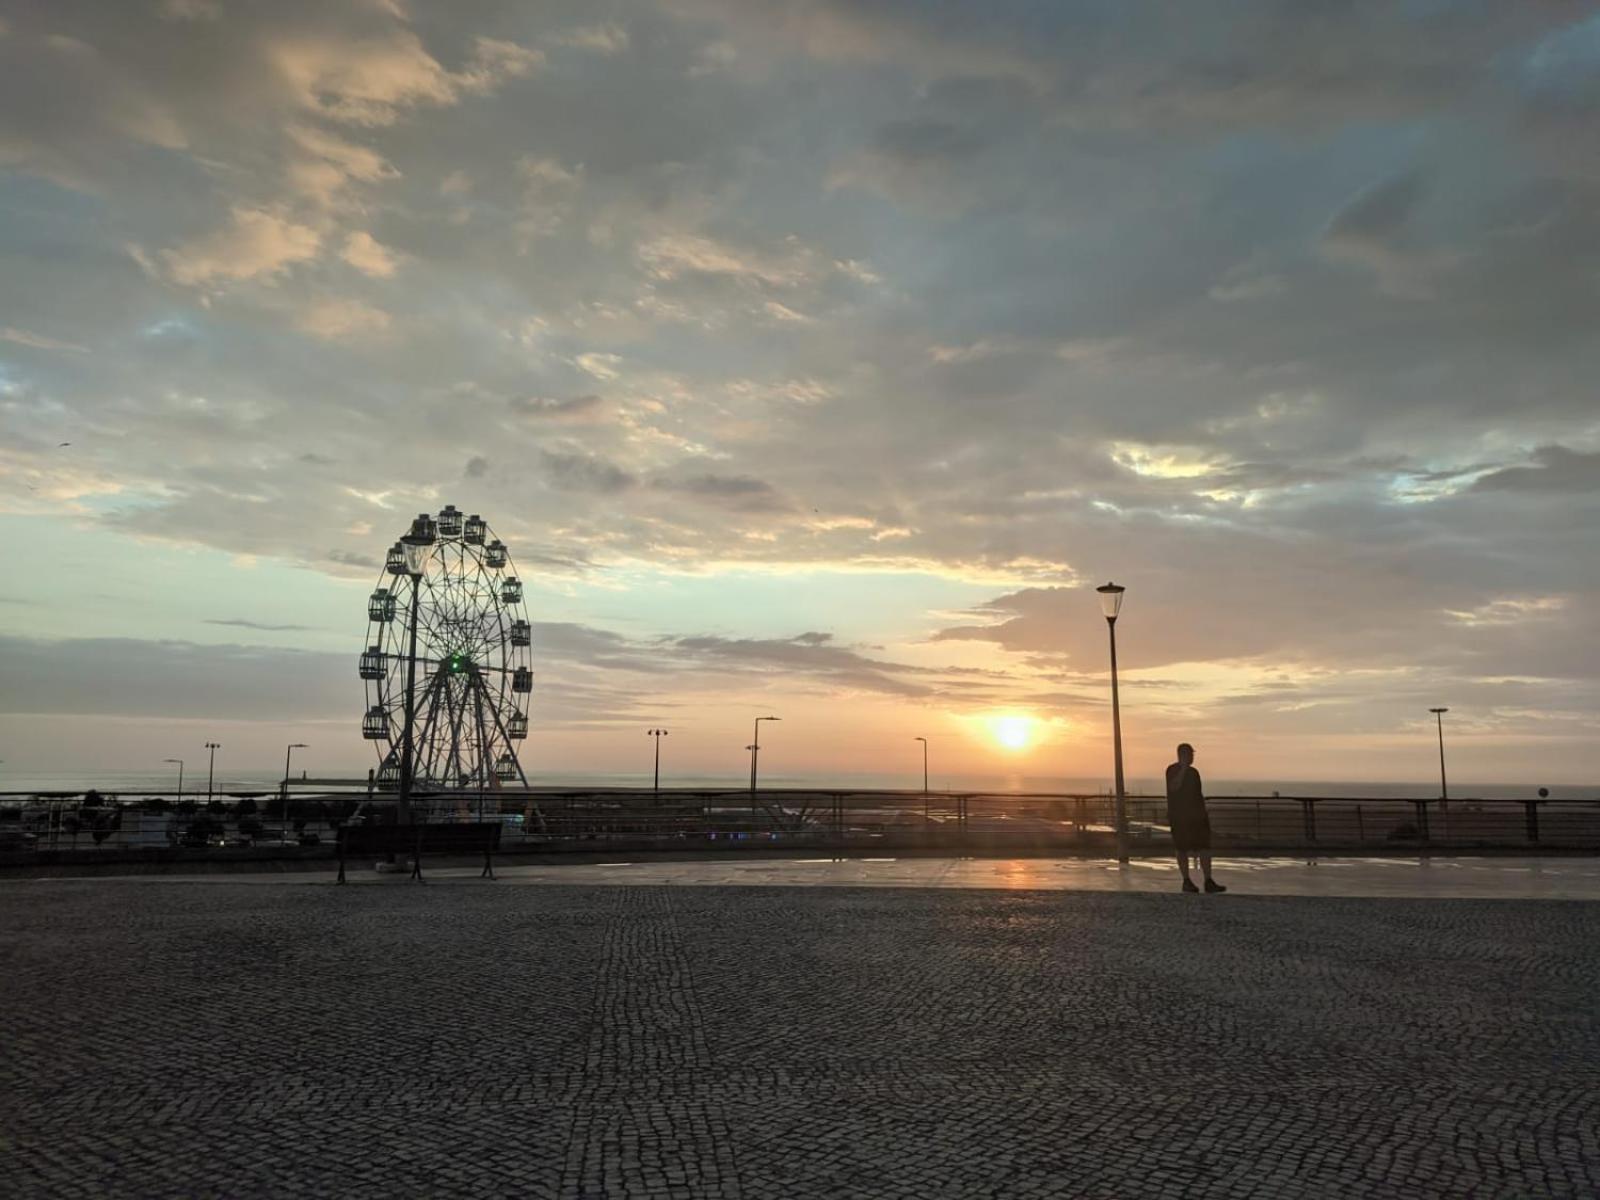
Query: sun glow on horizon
1012	731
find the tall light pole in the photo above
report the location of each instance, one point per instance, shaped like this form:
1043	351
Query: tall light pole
924	742
415	547
179	761
658	734
283	813
211	771
755	753
1444	788
1111	606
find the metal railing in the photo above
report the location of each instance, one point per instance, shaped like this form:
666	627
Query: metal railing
51	823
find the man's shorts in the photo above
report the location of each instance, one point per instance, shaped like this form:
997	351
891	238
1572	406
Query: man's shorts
1191	827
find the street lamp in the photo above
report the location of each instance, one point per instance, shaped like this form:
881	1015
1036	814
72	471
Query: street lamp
658	734
211	771
1111	606
179	761
755	753
1444	788
414	548
283	814
924	742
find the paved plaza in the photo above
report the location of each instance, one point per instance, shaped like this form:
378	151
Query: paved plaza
621	1034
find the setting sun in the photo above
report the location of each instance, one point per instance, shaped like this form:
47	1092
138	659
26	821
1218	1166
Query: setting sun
1012	732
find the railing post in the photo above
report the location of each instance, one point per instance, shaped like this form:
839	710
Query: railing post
1081	818
1309	816
1533	819
1422	819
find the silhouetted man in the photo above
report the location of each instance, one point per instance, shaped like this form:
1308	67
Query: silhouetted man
1186	814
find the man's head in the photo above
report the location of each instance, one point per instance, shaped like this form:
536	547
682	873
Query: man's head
1185	753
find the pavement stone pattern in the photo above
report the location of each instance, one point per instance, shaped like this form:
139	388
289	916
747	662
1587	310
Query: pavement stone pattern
473	1040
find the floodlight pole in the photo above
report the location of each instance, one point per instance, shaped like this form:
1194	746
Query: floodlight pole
755	754
179	761
211	771
283	813
924	741
658	734
1444	787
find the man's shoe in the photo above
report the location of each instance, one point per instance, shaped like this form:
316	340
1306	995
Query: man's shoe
1213	886
1188	886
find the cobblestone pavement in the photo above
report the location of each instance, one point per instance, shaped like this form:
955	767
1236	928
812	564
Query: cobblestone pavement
571	1041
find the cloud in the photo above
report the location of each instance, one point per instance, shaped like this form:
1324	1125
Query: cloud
671	256
813	656
743	493
191	10
368	256
37	341
550	190
477	467
586	473
1372	229
1554	469
353	558
333	320
370	81
549	408
599	364
255	244
1107	294
606	38
326	166
264	626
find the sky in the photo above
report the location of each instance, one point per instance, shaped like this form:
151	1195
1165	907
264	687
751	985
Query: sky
813	359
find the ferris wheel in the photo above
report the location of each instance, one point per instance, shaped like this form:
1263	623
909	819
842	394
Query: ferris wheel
446	625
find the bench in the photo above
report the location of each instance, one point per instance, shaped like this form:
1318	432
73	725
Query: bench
444	837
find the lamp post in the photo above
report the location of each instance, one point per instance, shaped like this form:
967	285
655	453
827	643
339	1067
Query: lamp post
211	771
924	742
658	734
414	546
755	753
1111	606
179	761
1444	788
283	813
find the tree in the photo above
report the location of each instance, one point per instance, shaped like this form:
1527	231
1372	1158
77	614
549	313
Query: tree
251	827
202	829
105	823
245	808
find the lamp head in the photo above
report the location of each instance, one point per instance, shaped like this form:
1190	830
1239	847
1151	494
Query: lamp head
1111	599
1439	711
